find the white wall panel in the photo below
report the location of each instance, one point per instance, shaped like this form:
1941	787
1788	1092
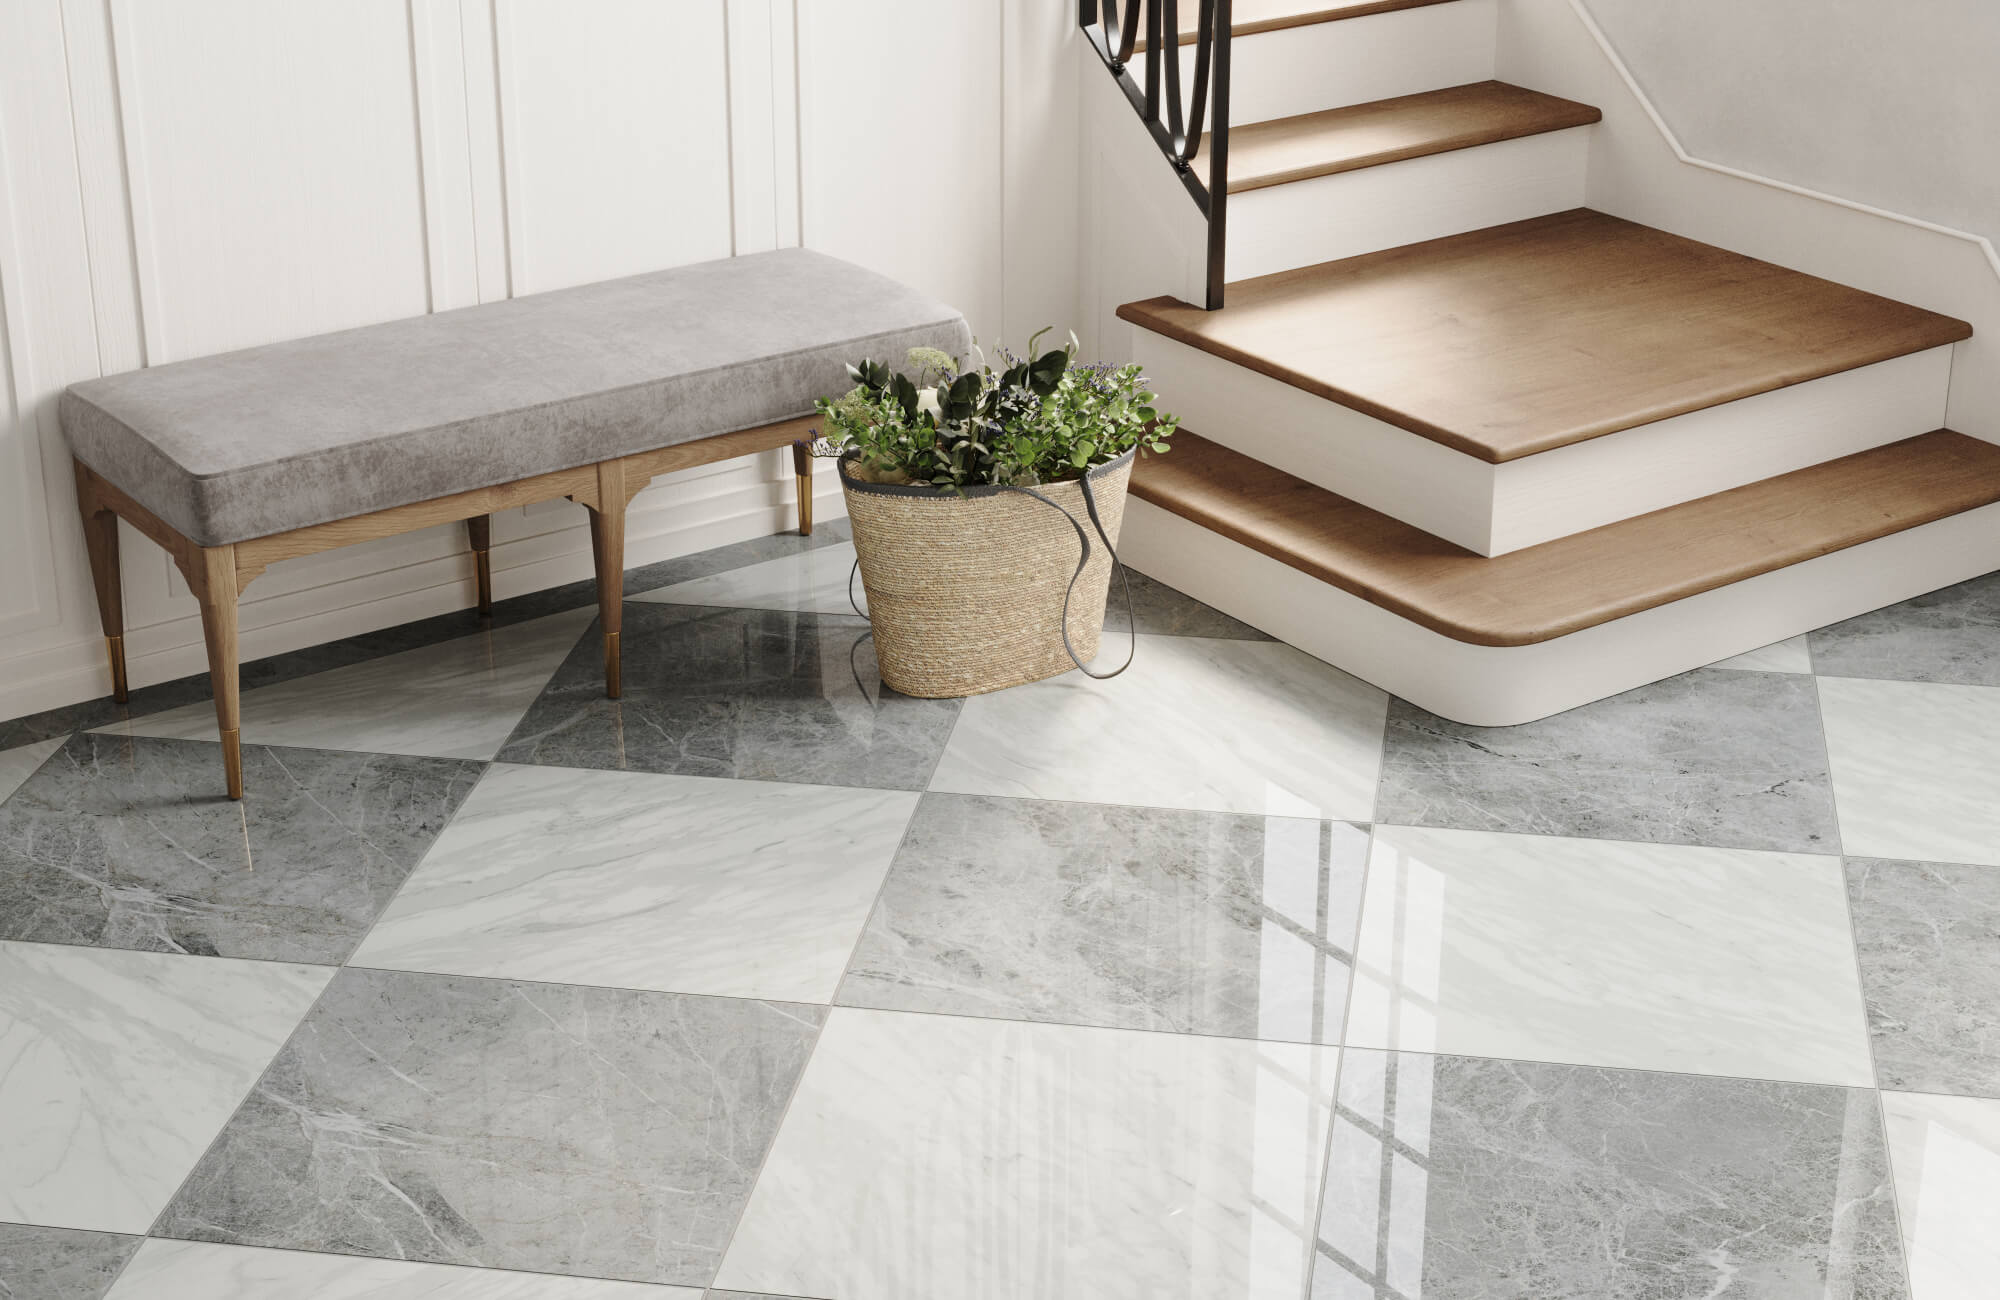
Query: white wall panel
615	131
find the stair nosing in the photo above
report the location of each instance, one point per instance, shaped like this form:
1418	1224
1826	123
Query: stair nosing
1968	458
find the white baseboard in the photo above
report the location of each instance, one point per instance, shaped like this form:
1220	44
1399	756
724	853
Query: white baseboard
1502	686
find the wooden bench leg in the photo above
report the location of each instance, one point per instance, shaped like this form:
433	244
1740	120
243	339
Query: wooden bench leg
216	592
100	537
607	549
479	533
802	474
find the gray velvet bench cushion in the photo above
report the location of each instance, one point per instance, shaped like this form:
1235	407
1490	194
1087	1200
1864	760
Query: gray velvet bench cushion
246	444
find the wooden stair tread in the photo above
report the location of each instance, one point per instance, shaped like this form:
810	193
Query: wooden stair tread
1392	130
1521	338
1249	17
1589	578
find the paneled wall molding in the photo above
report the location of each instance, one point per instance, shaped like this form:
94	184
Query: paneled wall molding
186	178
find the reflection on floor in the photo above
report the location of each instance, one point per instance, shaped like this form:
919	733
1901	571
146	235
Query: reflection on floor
1230	978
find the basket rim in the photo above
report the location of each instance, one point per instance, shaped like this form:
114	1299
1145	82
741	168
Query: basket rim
851	484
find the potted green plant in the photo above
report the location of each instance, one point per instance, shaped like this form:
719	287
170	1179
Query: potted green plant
975	494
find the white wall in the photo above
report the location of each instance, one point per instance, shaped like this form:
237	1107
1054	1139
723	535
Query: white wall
1889	104
183	178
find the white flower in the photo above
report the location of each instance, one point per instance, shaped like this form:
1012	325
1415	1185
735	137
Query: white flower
927	400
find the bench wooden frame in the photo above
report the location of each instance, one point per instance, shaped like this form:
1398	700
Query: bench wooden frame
218	574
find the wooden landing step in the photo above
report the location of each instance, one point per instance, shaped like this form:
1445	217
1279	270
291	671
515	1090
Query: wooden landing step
1525	337
1586	579
1249	17
1393	130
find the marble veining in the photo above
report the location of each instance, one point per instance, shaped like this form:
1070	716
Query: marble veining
454	699
1138	918
1214	725
1460	1179
1916	770
765	695
1951	636
686	884
1946	1155
1652	956
551	1128
1160	610
1790	656
932	1156
59	1263
808	582
1929	935
116	1068
1710	757
19	763
196	1270
127	842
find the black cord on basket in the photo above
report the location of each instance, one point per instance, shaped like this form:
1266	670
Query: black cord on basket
1117	566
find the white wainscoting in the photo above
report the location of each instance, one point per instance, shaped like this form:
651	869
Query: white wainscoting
182	179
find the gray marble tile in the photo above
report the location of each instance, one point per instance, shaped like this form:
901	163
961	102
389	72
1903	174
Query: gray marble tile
1729	759
553	1128
1468	1179
20	763
759	694
128	843
1135	918
1951	635
1789	656
59	1263
820	581
1929	935
200	1270
1160	610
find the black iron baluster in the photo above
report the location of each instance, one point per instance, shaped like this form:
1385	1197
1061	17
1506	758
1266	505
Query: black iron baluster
1218	160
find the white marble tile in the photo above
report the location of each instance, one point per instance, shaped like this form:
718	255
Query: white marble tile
18	764
1792	656
455	699
118	1068
1221	726
195	1270
676	883
938	1156
1916	768
1605	953
1945	1154
810	582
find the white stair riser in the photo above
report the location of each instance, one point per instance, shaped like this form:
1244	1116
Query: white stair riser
1326	218
1493	509
1355	60
1502	686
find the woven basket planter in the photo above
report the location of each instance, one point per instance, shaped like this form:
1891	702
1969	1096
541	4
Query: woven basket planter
965	593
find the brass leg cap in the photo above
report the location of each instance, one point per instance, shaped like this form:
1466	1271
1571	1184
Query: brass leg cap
613	687
232	761
114	648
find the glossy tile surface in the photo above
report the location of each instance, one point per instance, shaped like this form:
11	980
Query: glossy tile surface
1951	635
195	1270
1946	1156
540	1127
1929	936
456	699
59	1263
809	582
1793	656
1709	961
128	842
1723	758
1916	771
117	1068
749	889
754	694
1160	610
19	763
1459	1179
988	1158
1140	918
1221	726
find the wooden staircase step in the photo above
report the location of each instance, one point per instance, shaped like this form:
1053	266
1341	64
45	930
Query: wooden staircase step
1392	130
1534	335
1589	578
1249	17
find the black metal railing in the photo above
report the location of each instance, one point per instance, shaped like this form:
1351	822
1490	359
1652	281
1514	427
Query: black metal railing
1174	118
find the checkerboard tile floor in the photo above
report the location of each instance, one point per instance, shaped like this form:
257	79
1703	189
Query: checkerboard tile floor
1232	977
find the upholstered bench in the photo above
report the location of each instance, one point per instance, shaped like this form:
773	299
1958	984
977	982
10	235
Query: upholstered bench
234	462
